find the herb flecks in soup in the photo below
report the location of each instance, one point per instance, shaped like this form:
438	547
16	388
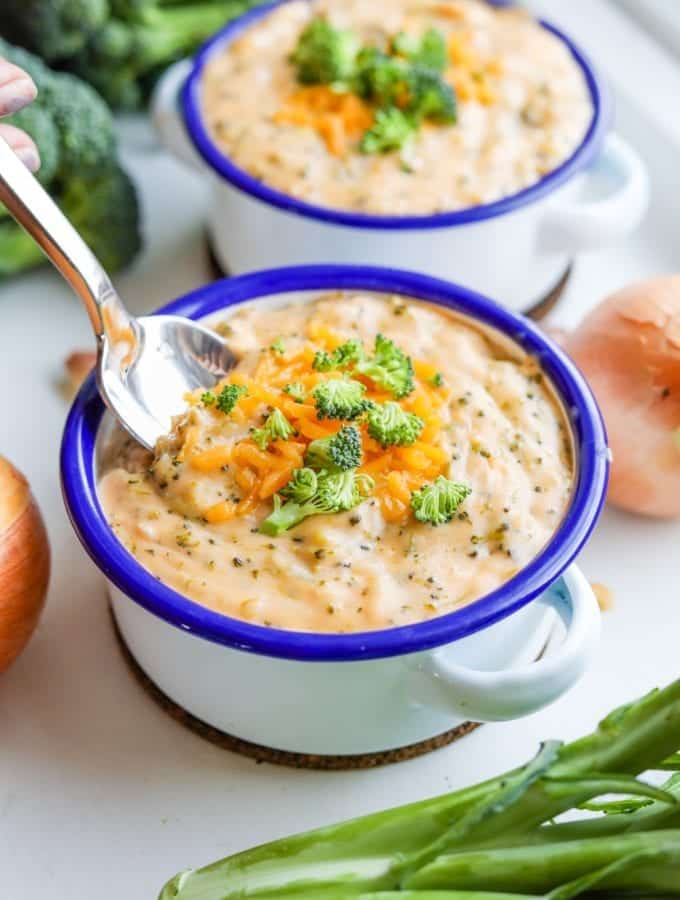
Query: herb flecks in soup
400	107
370	462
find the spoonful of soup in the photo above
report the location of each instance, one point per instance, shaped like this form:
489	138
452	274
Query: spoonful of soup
145	365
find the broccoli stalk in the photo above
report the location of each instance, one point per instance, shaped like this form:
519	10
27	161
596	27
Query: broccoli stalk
392	426
438	502
151	36
311	493
339	452
276	428
340	398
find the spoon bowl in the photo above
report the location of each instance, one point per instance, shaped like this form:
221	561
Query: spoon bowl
145	366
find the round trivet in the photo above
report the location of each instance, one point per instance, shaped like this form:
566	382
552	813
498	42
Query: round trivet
282	757
537	312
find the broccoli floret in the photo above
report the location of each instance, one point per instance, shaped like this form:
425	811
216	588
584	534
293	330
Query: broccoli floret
229	396
339	452
380	78
437	503
296	390
428	50
55	29
391	130
315	494
276	428
323	361
389	368
340	398
102	208
343	356
391	425
325	55
437	380
278	346
431	97
39	123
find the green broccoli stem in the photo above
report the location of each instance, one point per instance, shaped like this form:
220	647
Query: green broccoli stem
165	33
542	868
369	854
18	252
284	518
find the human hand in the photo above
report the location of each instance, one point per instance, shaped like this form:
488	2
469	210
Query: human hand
16	91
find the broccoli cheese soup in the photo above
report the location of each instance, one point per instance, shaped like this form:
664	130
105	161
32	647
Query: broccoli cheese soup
372	461
399	107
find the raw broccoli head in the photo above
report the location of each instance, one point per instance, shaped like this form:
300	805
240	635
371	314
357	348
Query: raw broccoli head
340	398
428	50
325	55
102	208
392	426
391	130
87	140
276	428
389	368
437	503
39	123
55	29
339	452
309	493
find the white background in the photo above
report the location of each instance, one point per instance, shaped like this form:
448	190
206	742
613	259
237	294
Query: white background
100	792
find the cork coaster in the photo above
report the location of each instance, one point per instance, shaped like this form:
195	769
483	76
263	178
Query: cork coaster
537	312
282	757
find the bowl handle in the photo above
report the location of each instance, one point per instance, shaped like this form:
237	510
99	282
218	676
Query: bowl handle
611	201
167	117
483	696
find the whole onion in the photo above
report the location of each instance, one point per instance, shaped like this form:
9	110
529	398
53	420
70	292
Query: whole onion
24	563
629	350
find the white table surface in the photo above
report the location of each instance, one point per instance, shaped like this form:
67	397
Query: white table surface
101	793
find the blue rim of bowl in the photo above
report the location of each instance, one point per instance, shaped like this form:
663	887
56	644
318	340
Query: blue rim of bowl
584	154
78	471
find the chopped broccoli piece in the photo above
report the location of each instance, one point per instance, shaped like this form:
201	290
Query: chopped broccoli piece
391	130
340	398
380	78
208	398
323	361
276	428
437	380
278	346
341	451
392	426
389	368
229	396
428	50
437	503
431	97
325	55
309	493
297	391
346	354
55	29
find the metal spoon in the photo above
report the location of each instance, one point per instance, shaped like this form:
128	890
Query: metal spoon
144	366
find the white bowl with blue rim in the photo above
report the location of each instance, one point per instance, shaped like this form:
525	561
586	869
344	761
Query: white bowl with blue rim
367	692
516	249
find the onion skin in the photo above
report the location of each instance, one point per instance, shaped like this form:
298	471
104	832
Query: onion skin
629	350
24	563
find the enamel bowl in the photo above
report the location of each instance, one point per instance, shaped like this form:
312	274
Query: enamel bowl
516	249
376	691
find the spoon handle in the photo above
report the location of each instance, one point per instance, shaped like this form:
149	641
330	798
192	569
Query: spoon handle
33	208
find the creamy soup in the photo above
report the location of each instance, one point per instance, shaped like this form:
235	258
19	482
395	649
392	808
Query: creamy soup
523	107
485	419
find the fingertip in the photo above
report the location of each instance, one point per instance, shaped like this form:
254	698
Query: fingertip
15	93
